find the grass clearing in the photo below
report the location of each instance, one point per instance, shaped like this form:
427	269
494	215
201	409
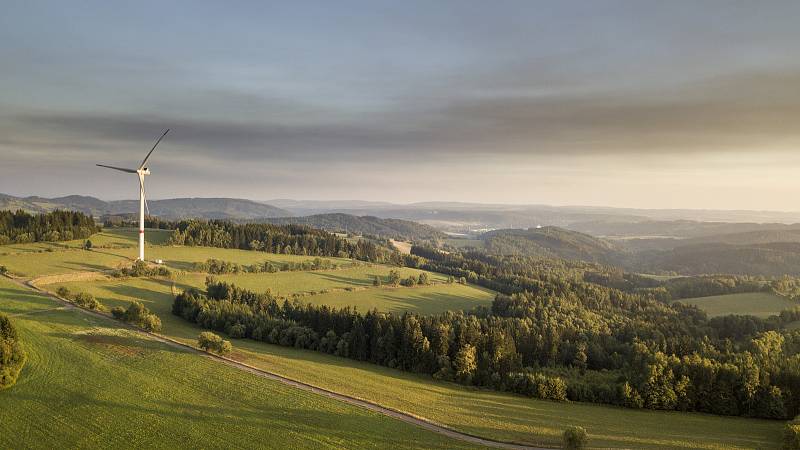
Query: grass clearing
90	384
759	304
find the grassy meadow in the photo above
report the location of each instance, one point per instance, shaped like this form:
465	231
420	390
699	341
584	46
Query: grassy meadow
89	383
485	413
759	304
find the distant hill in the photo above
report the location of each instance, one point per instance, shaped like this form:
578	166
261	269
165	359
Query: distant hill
177	208
390	228
673	228
770	259
551	242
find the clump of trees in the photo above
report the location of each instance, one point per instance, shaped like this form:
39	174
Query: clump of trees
21	227
12	356
83	299
211	342
137	314
142	269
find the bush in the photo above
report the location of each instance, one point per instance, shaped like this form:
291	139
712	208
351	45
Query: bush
86	300
118	312
791	435
3	270
138	314
575	438
211	342
63	292
12	356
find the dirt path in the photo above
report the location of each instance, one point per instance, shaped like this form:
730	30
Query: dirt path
399	415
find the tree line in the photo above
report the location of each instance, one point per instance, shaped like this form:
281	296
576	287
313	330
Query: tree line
578	341
21	227
282	239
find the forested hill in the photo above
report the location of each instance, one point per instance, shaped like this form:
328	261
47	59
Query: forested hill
176	208
389	228
550	242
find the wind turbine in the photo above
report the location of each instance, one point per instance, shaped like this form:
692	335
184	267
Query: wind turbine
141	172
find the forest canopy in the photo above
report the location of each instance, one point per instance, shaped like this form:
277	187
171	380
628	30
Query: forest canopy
21	227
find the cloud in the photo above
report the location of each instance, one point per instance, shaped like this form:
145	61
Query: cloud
737	112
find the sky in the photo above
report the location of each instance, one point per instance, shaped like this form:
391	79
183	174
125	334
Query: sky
679	104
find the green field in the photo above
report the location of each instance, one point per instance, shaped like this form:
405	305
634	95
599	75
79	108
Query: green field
759	304
485	413
90	384
32	260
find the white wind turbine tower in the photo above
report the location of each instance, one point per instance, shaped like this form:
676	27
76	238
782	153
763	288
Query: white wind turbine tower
141	172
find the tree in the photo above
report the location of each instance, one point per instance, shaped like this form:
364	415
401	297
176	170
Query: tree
12	356
211	342
423	278
465	364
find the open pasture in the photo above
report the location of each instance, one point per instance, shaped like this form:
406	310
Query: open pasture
759	304
89	383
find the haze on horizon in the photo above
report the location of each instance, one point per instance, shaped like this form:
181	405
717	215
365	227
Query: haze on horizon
619	103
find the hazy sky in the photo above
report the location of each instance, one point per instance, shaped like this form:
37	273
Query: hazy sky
638	103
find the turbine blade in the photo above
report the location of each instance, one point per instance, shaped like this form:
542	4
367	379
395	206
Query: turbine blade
121	169
151	150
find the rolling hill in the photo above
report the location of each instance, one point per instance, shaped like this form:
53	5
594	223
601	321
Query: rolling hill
551	242
176	208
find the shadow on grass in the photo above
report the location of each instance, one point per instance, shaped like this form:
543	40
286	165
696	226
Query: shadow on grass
137	344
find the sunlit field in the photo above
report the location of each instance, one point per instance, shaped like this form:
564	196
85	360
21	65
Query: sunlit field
90	383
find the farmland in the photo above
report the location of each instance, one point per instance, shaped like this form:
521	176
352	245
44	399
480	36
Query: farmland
757	304
90	383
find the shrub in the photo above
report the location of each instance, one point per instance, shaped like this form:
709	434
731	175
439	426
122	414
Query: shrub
86	300
118	312
138	314
575	438
211	342
3	270
408	282
63	292
791	435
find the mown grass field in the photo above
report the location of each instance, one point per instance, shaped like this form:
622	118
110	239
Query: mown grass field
90	384
759	304
485	413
